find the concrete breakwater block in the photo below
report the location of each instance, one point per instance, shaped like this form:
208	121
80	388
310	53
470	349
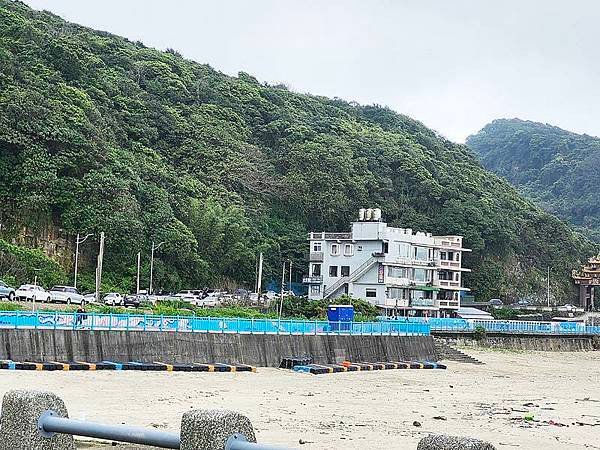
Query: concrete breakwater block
130	365
445	442
211	429
348	366
290	361
19	421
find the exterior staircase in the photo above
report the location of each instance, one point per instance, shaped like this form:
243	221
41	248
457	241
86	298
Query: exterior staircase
447	352
360	271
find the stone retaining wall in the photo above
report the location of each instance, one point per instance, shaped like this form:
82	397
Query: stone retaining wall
177	347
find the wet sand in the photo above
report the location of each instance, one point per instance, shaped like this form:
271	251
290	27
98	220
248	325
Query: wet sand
359	409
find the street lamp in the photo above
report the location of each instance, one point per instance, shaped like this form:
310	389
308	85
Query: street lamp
154	247
77	242
36	288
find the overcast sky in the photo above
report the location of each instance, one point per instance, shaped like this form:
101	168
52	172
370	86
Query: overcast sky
453	64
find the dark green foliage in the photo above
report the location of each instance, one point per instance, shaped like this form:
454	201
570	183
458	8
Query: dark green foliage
21	265
302	308
557	169
102	134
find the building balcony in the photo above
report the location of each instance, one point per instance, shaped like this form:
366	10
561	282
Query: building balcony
408	262
449	284
422	302
315	256
449	264
393	302
441	303
315	279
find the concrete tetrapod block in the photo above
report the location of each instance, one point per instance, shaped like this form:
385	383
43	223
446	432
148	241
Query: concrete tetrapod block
21	410
445	442
210	429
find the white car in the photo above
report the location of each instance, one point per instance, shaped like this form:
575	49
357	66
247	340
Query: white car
32	292
114	299
66	294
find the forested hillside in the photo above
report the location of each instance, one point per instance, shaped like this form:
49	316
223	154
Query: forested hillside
98	133
557	169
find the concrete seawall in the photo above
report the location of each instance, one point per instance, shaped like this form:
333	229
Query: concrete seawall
171	347
548	343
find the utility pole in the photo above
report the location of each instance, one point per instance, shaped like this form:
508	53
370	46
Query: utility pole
77	242
152	264
282	287
548	286
259	281
290	279
99	267
137	289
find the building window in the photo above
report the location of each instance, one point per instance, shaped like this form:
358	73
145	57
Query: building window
398	272
443	256
385	247
333	271
317	247
315	289
421	275
456	276
316	270
371	293
345	271
348	249
404	250
335	249
421	253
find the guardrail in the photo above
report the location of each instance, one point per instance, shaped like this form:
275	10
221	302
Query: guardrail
141	322
505	326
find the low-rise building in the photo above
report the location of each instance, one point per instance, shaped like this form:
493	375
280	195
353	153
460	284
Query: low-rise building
400	271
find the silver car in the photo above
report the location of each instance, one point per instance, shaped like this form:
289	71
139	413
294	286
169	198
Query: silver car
66	294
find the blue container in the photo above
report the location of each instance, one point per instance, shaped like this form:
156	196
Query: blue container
340	317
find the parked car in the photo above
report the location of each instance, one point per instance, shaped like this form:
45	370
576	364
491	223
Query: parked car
496	302
133	300
187	294
90	297
114	299
6	291
31	292
66	294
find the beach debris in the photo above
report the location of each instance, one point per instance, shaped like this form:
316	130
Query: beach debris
302	442
445	442
416	423
440	418
528	417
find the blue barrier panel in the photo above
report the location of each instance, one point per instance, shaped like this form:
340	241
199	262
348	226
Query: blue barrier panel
141	322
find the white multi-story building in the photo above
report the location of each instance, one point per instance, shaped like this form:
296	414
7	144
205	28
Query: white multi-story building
400	271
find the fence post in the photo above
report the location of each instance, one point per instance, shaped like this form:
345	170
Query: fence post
92	321
55	319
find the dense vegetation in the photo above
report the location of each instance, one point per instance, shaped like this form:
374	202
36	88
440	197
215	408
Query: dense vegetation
102	134
557	169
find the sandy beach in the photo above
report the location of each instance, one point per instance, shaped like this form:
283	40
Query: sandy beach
356	410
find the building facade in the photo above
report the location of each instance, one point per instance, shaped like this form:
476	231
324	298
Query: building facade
400	271
588	278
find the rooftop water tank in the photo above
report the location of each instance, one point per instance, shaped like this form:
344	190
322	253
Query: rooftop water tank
369	214
377	214
361	214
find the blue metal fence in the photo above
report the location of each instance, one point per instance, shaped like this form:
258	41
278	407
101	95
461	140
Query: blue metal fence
141	322
505	326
